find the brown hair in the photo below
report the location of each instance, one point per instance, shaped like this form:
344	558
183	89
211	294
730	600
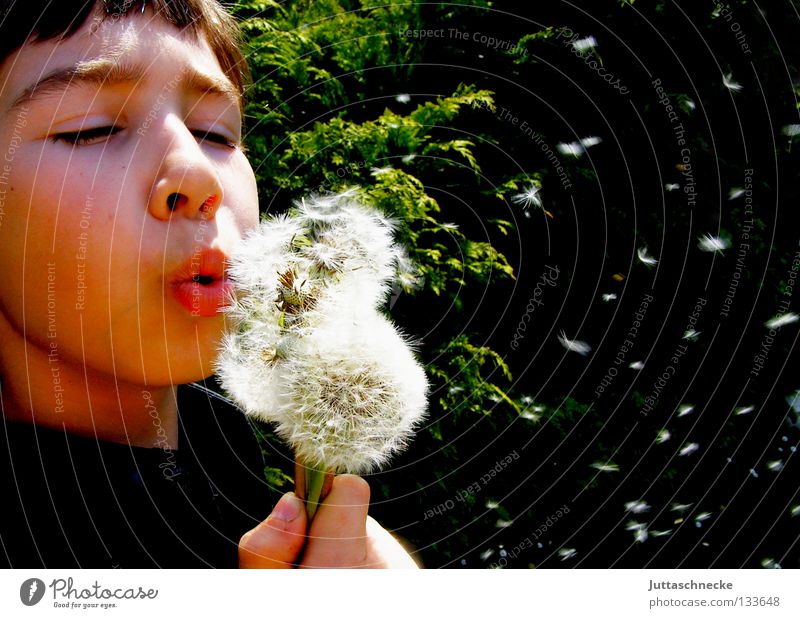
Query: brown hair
43	20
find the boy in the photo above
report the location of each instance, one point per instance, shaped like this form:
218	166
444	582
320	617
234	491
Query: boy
123	187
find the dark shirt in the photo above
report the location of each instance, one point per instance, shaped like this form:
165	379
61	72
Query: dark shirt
69	501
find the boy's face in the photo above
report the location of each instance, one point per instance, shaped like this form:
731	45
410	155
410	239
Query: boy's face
98	229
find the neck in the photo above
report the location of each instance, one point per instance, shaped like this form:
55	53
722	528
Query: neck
52	391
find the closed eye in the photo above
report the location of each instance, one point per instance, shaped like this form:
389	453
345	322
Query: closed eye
216	138
86	137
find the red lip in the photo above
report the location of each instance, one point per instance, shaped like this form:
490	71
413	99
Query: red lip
201	285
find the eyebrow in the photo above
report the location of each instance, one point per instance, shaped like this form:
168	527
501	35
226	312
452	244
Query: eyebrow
107	72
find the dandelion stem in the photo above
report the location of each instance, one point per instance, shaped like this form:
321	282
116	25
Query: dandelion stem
312	484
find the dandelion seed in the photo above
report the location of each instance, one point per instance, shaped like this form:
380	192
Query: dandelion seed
672	186
487	554
408	158
530	197
753	473
769	563
775	466
734	193
577	149
634	525
663	436
691	334
687	104
795	510
794	401
782	320
454	390
503	523
380	171
585	44
605	467
791	130
659	533
526	400
640	536
573	345
690	448
637	506
677	507
743	410
609	297
637	365
712	244
403	98
565	553
530	416
685	409
731	85
645	258
700	518
491	504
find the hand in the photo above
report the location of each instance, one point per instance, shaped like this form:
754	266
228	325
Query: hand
342	535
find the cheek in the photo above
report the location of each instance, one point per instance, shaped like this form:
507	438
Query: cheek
242	192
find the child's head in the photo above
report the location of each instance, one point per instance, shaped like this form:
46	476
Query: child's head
121	175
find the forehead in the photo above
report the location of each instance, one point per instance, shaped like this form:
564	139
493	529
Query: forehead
138	39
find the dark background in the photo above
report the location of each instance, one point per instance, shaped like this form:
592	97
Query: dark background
327	76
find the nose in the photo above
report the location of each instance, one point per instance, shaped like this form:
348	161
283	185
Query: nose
187	184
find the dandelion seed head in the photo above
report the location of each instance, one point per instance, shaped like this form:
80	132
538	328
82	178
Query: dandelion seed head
309	350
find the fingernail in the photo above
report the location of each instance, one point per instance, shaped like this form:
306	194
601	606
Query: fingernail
288	508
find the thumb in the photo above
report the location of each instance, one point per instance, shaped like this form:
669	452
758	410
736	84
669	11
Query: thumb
276	542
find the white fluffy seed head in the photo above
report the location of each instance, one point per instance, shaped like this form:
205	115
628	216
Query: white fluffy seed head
309	350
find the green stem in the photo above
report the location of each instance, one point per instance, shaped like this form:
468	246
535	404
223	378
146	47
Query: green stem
315	479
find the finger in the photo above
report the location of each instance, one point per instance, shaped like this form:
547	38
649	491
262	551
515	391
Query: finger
276	542
384	551
338	535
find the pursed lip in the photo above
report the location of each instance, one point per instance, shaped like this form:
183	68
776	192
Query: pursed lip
204	264
201	285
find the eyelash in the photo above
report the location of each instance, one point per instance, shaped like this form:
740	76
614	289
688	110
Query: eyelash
82	138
